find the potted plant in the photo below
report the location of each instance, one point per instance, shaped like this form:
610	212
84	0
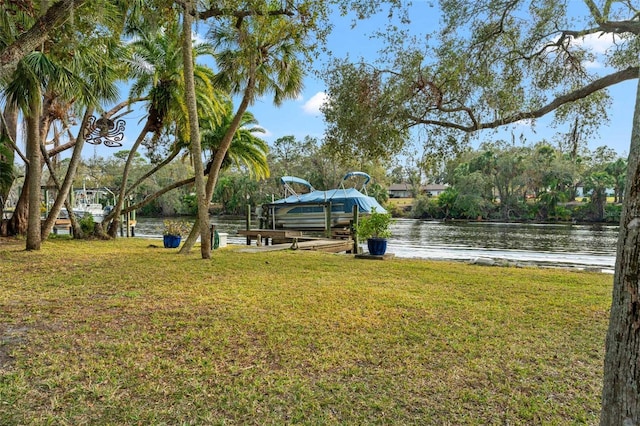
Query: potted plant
173	232
375	229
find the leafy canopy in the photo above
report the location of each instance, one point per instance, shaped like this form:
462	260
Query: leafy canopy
493	63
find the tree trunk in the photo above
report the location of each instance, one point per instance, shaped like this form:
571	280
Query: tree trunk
214	171
18	223
194	133
621	389
174	153
34	235
8	129
68	179
114	216
38	33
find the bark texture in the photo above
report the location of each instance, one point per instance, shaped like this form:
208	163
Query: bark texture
8	129
34	235
68	179
194	132
30	40
114	216
621	390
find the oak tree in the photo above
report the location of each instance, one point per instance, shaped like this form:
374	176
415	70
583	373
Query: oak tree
499	62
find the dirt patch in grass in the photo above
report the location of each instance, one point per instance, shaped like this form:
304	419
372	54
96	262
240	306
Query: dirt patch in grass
11	336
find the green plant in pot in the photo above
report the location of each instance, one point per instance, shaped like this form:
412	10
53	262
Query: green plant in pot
173	232
375	229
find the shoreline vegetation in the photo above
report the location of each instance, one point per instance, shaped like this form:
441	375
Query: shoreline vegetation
126	332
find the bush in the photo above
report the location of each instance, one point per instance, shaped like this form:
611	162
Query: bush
421	207
563	213
612	213
87	224
374	225
580	212
396	211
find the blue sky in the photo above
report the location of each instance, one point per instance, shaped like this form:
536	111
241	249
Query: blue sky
302	117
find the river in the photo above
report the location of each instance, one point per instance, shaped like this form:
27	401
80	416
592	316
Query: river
564	245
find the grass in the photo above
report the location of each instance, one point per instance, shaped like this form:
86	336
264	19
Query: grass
122	332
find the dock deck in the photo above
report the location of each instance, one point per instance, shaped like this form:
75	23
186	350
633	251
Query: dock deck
318	244
276	235
283	239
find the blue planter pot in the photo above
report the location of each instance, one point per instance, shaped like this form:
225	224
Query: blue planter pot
171	241
377	246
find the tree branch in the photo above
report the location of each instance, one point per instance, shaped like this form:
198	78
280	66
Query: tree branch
39	32
157	167
217	12
11	141
123	104
152	197
619	27
602	83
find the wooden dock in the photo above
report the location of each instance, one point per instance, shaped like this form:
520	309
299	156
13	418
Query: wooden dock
317	244
294	239
276	235
62	226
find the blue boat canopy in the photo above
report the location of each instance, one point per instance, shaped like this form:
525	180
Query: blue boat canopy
347	196
292	179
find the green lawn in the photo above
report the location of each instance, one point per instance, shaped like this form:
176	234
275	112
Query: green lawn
124	332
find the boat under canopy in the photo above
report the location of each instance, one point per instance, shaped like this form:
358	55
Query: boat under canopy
309	210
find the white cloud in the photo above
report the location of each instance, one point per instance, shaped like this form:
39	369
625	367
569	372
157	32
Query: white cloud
598	43
312	106
524	123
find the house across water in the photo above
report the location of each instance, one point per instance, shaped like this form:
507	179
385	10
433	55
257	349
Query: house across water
407	190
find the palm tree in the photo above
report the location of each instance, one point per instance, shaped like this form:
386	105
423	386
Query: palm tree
97	65
30	80
551	197
618	171
195	146
156	62
255	57
597	183
246	149
47	83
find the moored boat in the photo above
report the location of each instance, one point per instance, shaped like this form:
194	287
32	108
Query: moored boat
87	201
310	210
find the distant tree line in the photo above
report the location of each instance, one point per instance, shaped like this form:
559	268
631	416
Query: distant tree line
503	181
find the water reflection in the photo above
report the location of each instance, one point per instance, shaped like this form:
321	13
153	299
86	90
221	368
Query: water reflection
511	236
566	245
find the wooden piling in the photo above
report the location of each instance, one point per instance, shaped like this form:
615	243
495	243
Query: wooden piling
327	219
354	227
248	223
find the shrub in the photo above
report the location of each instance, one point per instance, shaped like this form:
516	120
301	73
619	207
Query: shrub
177	228
87	224
374	225
612	213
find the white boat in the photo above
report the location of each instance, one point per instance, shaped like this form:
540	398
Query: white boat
309	211
87	201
